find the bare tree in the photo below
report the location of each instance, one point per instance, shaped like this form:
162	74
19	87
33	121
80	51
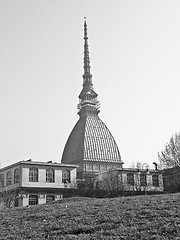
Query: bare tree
8	197
112	182
169	160
170	156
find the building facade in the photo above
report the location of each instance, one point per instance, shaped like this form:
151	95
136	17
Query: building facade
37	182
130	180
90	145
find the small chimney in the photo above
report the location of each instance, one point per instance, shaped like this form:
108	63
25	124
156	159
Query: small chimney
155	165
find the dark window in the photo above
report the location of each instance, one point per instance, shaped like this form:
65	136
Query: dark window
50	198
8	178
50	175
16	175
2	180
33	199
143	180
66	176
33	174
155	180
16	202
130	179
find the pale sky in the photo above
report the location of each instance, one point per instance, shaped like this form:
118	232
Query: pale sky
135	60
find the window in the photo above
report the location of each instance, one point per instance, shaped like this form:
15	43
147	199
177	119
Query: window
16	175
50	175
2	180
130	179
155	180
97	185
89	167
16	202
143	180
33	199
8	178
33	174
66	176
50	198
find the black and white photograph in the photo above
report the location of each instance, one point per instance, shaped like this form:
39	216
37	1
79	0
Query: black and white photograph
90	119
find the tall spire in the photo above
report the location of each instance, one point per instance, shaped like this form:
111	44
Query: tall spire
90	145
88	97
87	75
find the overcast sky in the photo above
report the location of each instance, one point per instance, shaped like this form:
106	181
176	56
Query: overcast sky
135	62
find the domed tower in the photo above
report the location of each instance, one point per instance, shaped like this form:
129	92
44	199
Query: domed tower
90	145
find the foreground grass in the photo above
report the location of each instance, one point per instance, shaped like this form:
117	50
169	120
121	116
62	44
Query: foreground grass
139	217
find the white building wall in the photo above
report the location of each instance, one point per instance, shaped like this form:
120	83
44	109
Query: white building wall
42	177
25	201
41	198
42	184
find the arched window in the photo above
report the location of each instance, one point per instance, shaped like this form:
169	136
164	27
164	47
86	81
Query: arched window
155	180
50	198
33	199
33	174
66	176
16	175
2	180
143	180
8	178
50	175
130	179
16	202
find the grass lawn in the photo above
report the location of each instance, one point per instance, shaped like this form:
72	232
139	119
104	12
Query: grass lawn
138	217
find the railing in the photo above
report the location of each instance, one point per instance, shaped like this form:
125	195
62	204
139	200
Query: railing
139	169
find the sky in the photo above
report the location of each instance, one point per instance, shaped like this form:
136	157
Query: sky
135	62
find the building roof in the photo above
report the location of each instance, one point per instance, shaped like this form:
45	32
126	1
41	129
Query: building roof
38	163
130	170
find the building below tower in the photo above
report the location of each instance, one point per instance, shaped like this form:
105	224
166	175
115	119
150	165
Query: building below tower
32	182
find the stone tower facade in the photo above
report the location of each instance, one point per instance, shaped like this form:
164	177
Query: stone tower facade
90	145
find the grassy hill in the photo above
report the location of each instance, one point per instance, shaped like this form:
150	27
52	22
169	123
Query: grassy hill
139	217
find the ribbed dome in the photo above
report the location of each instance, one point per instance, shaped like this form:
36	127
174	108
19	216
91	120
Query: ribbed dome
90	140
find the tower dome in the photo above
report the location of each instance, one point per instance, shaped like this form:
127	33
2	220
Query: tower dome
90	144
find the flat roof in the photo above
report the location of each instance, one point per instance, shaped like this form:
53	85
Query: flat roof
39	163
130	170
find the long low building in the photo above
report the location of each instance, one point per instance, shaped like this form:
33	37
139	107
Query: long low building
130	179
36	182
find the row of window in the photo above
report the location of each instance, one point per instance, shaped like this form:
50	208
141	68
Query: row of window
50	175
100	167
143	180
33	199
33	176
9	177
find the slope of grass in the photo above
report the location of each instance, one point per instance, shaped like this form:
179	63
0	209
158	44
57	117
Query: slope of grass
139	217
